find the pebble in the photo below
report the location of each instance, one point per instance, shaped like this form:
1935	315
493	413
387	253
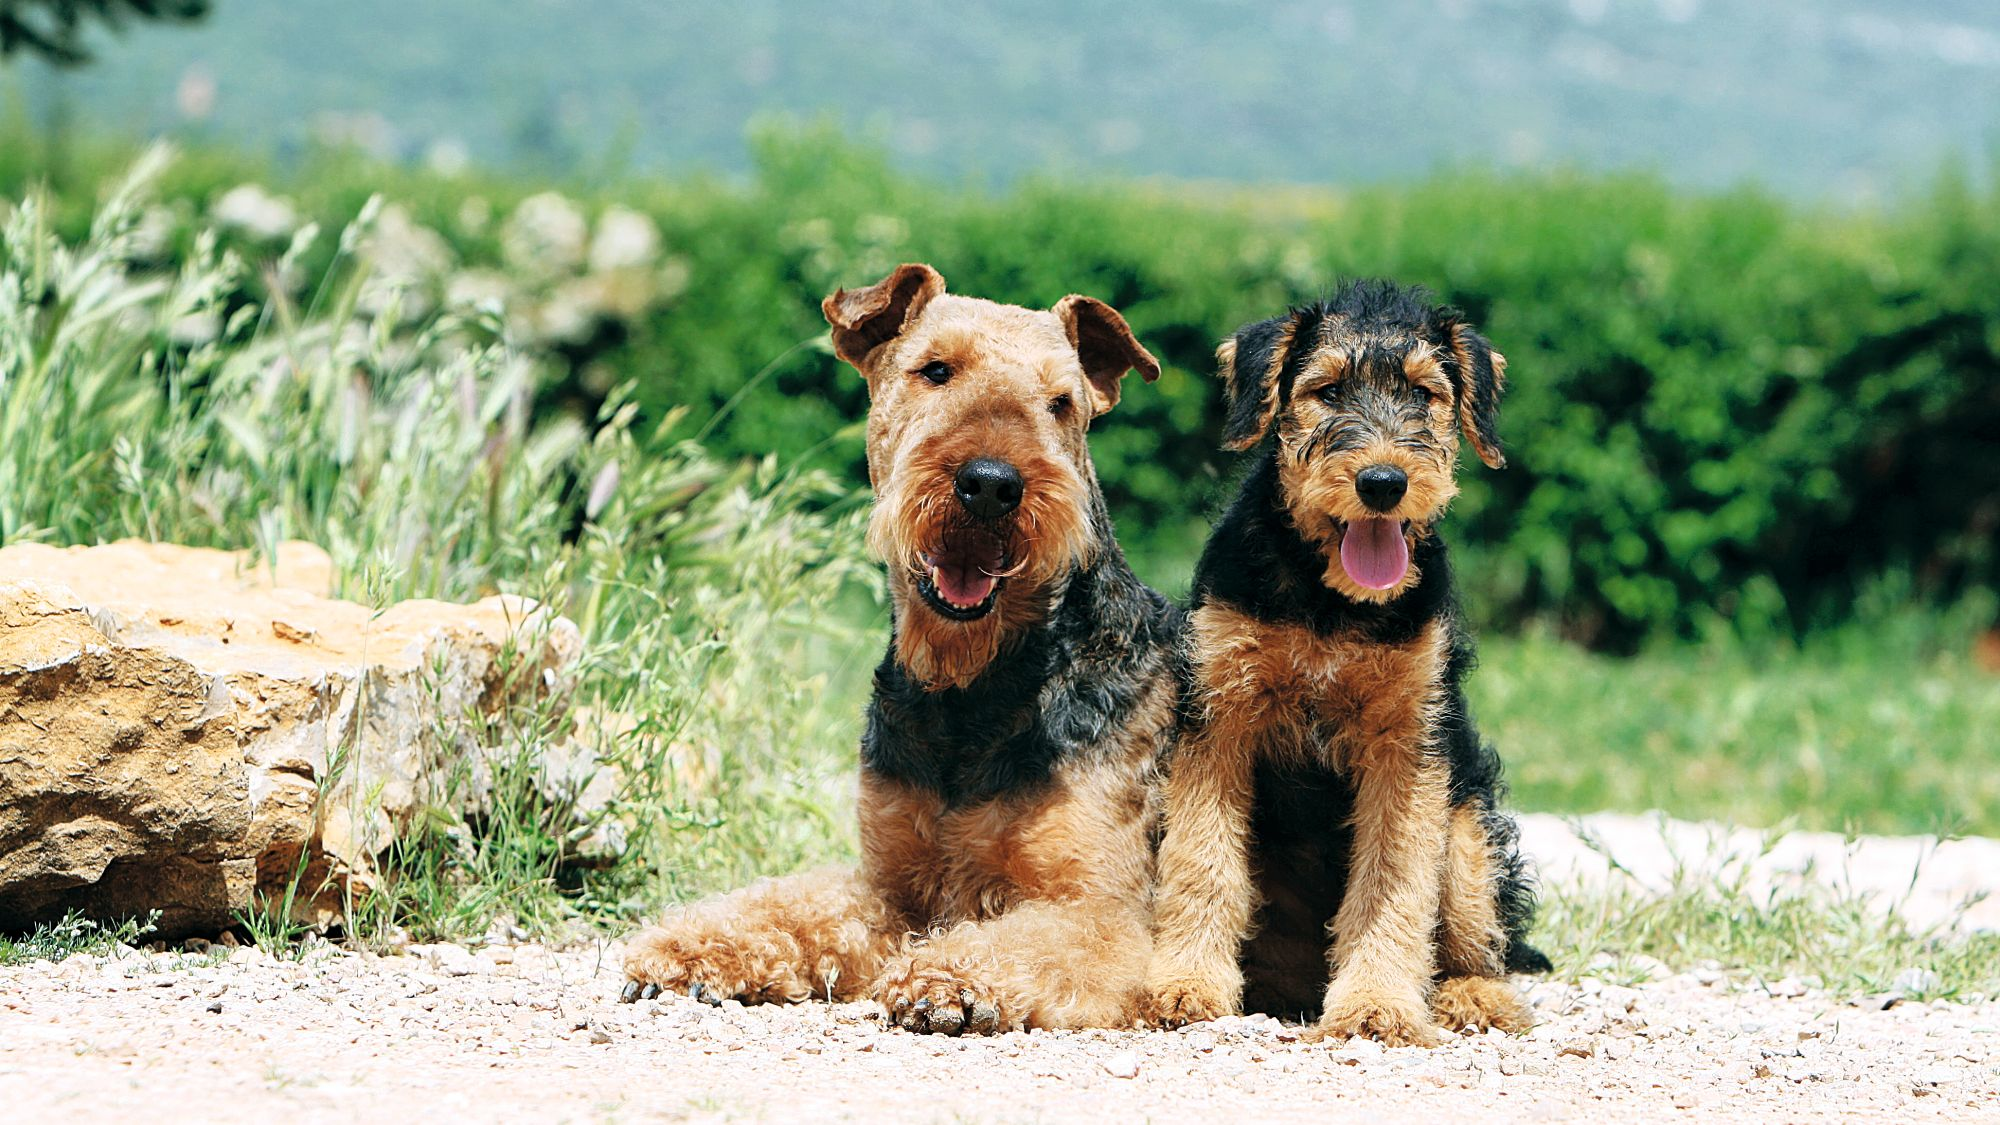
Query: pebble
1354	1052
1124	1064
1915	982
449	959
1582	1048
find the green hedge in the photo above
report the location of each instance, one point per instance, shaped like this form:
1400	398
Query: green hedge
1726	410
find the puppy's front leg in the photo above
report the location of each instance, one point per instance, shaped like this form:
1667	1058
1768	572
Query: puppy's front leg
1205	894
1384	949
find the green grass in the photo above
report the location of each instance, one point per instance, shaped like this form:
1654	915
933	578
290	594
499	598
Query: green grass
1884	736
70	935
1710	915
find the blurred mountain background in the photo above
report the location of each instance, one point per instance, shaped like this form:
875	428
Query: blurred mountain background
1840	100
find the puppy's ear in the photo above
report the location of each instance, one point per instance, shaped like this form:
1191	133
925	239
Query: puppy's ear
1252	364
865	319
1479	374
1105	345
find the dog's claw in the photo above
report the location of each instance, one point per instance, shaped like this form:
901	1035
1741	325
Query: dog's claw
629	993
705	994
947	1021
926	1016
648	992
981	1018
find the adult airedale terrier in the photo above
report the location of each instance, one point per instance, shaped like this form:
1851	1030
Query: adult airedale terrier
1329	782
1008	799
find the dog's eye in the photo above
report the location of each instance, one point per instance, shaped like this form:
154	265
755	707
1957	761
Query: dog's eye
937	371
1425	395
1059	405
1328	394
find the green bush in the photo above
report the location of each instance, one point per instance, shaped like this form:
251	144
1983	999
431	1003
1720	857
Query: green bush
1728	412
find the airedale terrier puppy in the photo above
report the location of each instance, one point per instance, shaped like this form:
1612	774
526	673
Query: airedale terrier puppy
1008	800
1328	782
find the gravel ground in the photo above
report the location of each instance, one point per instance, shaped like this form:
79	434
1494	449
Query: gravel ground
523	1033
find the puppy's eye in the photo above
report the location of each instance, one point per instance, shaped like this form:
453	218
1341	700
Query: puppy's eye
937	371
1328	394
1059	405
1425	395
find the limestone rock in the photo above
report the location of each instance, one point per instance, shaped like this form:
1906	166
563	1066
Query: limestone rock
181	730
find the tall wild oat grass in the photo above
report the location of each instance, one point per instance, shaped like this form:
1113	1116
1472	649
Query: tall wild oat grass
167	407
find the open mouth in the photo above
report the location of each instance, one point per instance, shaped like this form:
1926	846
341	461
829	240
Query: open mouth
963	576
1374	552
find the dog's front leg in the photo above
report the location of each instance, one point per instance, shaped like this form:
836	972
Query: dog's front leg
1205	896
817	935
1040	964
1384	947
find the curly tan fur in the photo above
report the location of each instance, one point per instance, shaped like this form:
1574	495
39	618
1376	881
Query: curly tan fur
919	433
1272	690
818	935
1474	992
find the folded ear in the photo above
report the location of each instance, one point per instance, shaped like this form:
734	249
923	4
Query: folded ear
865	319
1252	363
1479	375
1105	345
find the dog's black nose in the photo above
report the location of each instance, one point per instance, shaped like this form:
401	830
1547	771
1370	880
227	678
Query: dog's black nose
1381	486
988	488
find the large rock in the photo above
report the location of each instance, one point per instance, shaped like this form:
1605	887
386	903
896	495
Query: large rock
182	731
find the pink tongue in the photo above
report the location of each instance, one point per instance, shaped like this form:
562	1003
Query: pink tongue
1374	554
964	587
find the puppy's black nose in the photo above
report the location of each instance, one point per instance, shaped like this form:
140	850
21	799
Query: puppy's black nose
988	488
1381	486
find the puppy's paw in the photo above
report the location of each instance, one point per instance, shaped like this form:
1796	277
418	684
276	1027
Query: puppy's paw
1391	1020
1477	1003
1186	1000
939	999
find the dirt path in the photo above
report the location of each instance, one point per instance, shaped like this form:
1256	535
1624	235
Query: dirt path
525	1034
522	1034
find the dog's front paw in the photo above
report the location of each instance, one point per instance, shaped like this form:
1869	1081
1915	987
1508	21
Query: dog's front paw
1186	1000
1477	1003
939	999
1393	1021
681	959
